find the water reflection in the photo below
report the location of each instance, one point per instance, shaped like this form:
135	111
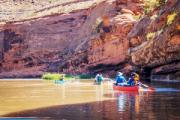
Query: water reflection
85	101
128	100
121	102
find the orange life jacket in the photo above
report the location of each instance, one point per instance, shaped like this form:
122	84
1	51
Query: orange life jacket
136	79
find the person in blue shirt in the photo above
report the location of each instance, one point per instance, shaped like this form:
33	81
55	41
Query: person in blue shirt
131	81
120	79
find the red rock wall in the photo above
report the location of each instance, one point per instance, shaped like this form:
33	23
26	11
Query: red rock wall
75	43
163	49
107	51
48	42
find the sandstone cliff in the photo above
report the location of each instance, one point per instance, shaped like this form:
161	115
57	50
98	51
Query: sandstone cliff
46	43
79	36
157	46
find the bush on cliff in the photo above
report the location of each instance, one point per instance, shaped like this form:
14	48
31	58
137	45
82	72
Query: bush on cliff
85	76
69	77
150	5
51	76
150	36
57	76
170	18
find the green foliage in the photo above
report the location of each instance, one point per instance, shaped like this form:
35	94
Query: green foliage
137	17
51	76
162	2
150	36
170	18
150	5
56	76
69	77
85	76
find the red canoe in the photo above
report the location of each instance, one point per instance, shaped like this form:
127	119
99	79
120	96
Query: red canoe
126	88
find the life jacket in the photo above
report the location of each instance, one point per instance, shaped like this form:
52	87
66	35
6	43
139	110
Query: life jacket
120	79
136	78
100	78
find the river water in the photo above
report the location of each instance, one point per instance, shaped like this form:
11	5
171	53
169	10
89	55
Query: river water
82	100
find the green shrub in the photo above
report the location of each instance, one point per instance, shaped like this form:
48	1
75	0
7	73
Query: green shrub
162	2
69	77
85	76
170	18
150	5
137	17
150	36
51	76
56	76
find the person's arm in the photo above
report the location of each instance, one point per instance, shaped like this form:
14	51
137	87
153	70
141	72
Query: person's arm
116	79
96	78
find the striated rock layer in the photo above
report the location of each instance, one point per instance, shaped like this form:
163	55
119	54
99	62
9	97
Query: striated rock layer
107	49
48	42
158	42
101	36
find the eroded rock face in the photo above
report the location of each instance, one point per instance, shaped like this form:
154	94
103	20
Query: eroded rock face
102	37
159	44
69	42
107	52
112	48
48	42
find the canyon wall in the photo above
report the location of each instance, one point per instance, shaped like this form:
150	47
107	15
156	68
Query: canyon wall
31	47
103	37
157	45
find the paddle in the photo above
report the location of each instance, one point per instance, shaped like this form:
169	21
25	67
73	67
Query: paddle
146	86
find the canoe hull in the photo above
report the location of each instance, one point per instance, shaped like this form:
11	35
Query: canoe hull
125	88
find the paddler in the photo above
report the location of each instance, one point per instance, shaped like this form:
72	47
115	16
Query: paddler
98	79
133	80
120	79
136	78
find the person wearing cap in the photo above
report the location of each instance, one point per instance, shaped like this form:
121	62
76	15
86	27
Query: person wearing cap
133	80
120	79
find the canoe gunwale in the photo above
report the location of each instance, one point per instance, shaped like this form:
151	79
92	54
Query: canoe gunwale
126	88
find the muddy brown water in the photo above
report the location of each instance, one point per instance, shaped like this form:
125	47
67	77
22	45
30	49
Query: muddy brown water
82	100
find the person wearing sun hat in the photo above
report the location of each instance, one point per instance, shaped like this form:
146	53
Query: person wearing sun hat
120	79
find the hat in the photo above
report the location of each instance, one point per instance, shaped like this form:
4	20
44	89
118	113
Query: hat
120	73
133	74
